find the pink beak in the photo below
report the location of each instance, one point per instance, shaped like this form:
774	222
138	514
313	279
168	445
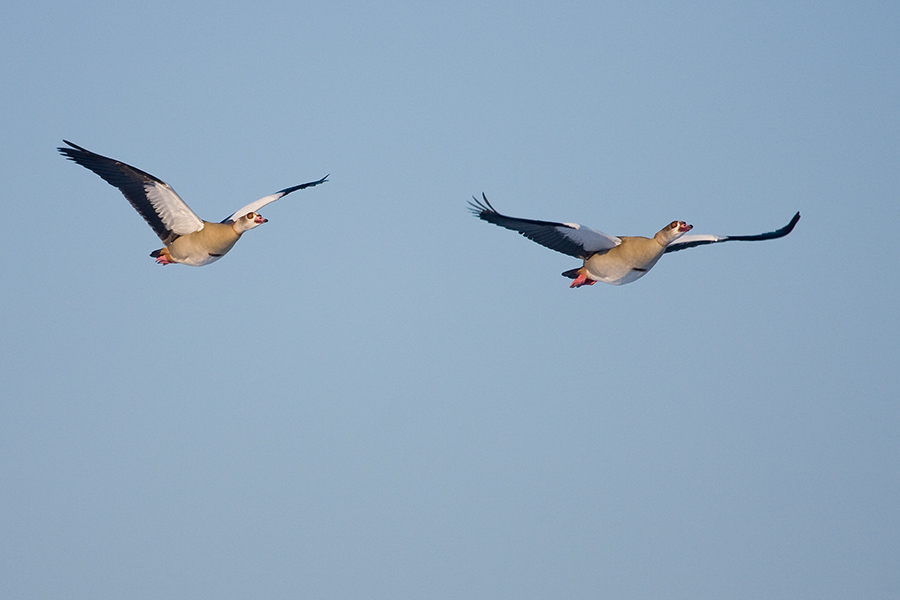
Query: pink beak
684	227
259	219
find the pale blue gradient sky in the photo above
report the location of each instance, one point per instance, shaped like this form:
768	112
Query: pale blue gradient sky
375	395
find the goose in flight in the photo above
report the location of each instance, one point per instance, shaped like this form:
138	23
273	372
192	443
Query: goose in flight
188	239
607	258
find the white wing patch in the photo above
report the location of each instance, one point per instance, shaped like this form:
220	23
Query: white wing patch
174	213
699	237
589	239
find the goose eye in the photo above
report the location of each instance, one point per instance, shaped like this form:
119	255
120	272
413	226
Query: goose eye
248	216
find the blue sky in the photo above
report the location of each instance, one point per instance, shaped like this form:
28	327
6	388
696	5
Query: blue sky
375	395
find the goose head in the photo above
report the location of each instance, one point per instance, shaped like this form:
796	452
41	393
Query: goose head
672	232
249	221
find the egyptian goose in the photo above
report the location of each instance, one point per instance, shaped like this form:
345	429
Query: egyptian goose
188	239
607	258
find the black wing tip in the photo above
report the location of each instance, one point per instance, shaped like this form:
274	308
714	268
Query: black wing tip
316	182
482	208
72	151
294	188
779	233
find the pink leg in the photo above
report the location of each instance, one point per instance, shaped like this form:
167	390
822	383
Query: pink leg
162	259
581	280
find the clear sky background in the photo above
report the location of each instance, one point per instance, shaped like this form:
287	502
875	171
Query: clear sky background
376	395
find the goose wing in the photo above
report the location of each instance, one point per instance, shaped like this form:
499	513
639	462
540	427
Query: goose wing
689	241
258	204
154	199
569	238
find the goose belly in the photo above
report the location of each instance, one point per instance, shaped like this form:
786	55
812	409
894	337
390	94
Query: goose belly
203	247
616	268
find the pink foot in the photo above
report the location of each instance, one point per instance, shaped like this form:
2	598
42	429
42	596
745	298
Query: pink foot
581	280
162	259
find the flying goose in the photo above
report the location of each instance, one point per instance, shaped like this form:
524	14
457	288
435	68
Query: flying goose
188	239
607	258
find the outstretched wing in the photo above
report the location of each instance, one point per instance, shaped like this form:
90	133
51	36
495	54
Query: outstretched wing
258	204
569	238
158	203
689	241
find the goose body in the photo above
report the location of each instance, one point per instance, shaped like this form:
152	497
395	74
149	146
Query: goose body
188	239
607	258
200	247
624	263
